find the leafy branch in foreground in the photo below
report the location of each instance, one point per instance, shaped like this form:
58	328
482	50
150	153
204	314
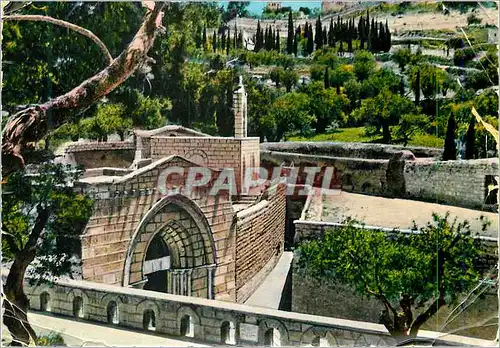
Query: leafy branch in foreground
412	275
42	219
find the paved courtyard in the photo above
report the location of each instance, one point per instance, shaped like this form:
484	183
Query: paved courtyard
396	213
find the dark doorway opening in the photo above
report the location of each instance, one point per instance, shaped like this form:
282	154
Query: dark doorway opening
157	281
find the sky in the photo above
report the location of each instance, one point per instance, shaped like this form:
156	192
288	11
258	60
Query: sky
256	7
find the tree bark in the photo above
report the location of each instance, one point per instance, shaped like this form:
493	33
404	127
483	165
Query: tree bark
31	125
422	318
16	302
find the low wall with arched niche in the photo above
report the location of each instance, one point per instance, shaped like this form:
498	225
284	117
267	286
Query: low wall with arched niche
203	320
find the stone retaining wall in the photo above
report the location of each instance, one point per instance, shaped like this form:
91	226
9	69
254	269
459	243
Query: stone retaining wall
207	320
349	150
260	235
118	154
461	183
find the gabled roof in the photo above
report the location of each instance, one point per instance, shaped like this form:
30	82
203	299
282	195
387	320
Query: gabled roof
169	128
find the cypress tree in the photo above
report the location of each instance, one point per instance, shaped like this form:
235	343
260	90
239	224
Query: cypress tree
266	35
331	34
295	44
417	89
278	43
341	47
326	78
235	38
204	37
306	31
361	32
402	87
228	44
325	36
450	150
299	31
214	42
223	41
470	139
257	38
310	41
291	34
388	37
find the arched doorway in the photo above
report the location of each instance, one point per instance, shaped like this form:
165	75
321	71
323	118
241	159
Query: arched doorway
156	265
172	246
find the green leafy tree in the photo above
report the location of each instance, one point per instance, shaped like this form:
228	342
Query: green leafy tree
340	75
411	275
383	112
42	219
402	57
287	114
276	75
290	79
109	119
409	125
364	64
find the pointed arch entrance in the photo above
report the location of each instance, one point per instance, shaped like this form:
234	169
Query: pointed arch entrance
172	250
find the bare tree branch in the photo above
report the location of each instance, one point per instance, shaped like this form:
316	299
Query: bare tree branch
74	27
32	124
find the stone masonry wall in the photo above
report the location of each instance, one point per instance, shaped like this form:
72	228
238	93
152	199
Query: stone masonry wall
120	207
259	238
350	174
118	154
212	152
459	183
202	320
348	150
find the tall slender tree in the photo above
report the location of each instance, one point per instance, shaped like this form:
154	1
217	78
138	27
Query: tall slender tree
296	44
318	38
228	43
310	40
291	34
278	43
257	42
450	149
331	34
214	42
204	37
470	139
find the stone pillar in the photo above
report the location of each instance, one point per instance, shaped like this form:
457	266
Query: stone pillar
138	148
240	111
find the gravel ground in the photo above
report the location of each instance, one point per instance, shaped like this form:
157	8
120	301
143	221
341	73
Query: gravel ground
397	213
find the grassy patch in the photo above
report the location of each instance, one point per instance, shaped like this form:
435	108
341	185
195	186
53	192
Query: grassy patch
358	135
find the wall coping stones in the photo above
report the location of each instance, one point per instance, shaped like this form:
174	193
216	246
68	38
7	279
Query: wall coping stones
289	319
352	150
168	128
100	146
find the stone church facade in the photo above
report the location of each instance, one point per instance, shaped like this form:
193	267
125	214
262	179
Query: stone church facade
188	242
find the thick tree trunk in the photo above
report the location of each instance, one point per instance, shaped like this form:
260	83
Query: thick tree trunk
386	133
30	125
16	302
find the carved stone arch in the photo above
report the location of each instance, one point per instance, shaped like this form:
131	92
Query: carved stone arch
318	332
120	300
197	156
73	294
35	302
148	304
193	210
266	324
182	313
174	235
235	319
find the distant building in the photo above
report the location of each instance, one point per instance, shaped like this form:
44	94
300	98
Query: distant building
493	35
274	6
330	6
